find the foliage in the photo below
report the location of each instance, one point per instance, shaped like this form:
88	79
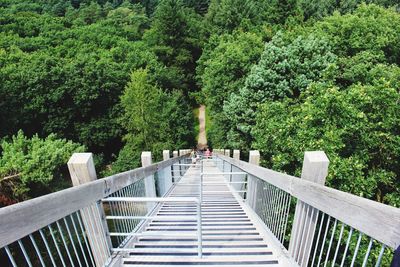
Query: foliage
284	70
368	28
357	127
154	120
318	10
175	39
226	66
68	80
225	16
37	164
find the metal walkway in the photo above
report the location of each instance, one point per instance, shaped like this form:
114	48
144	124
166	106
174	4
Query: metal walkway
231	236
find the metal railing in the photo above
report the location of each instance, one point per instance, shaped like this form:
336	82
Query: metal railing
72	227
317	225
136	233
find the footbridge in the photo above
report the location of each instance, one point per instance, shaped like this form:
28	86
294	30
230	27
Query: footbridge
217	211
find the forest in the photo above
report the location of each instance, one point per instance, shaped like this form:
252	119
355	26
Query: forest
119	77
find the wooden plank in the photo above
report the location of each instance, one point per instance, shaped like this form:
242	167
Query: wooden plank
377	220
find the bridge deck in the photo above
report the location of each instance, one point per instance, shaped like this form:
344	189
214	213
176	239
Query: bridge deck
231	235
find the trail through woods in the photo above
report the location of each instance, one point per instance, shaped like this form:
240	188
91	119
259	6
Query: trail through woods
202	142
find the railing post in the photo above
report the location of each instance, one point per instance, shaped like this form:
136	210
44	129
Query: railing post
236	154
175	169
82	170
227	152
315	169
149	183
237	178
167	173
251	197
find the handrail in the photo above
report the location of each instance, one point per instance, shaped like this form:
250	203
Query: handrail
44	210
377	220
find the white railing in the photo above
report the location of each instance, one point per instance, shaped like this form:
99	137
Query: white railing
317	224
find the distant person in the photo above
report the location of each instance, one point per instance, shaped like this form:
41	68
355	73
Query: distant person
207	154
193	156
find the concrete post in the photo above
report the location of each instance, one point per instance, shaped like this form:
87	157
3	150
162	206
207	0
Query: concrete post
175	169
237	177
82	170
315	169
149	183
254	157
236	154
167	173
251	197
227	152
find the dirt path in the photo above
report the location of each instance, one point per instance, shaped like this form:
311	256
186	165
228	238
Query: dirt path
202	142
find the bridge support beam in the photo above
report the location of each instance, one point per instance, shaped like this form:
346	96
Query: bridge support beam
82	171
149	183
315	169
251	196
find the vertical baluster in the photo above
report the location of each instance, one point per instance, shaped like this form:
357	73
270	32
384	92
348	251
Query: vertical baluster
10	256
47	247
347	247
36	249
79	239
338	245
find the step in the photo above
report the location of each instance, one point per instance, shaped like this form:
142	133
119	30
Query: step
205	244
204	228
212	260
225	238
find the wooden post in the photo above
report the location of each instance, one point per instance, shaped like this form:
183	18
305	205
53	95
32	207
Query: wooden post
315	169
175	169
167	173
149	183
82	170
251	197
236	177
227	152
236	154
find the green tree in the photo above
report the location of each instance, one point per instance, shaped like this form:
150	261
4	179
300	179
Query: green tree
174	37
222	70
226	16
284	70
368	28
357	127
154	120
30	167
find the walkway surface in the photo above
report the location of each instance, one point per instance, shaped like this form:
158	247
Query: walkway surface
230	236
202	142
